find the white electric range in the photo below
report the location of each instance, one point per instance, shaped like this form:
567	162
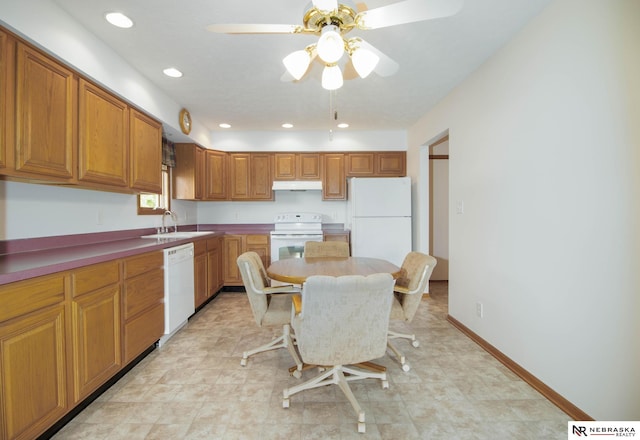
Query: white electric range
291	231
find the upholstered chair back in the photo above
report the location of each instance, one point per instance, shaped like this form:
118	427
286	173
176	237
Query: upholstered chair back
344	320
412	283
255	280
326	249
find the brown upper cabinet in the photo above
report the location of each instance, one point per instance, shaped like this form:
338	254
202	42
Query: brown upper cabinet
55	126
297	166
334	182
4	92
45	112
250	176
187	175
376	164
145	137
104	137
216	176
199	174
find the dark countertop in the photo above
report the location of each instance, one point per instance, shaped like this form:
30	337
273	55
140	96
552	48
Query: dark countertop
28	258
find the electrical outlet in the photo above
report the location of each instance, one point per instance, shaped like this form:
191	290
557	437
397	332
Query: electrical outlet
479	310
99	217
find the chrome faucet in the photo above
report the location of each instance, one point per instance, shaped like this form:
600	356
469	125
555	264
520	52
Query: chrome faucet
174	218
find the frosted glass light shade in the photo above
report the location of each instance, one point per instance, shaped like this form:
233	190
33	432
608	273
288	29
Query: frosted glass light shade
325	5
364	61
330	45
332	77
297	63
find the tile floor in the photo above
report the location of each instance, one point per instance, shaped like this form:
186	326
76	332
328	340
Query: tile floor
194	388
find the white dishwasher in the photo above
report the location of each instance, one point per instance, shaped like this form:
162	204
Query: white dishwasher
179	301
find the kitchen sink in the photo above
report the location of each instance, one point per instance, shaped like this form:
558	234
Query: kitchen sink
179	234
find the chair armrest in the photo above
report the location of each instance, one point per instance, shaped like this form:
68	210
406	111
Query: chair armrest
400	289
297	303
288	288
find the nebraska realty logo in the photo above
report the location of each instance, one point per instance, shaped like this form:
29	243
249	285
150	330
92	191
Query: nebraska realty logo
602	429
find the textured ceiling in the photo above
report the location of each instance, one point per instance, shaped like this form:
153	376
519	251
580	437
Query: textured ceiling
236	78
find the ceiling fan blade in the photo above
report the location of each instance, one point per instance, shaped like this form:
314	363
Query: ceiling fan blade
386	66
408	11
325	5
255	28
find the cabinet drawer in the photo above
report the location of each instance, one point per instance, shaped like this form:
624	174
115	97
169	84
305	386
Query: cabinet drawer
214	243
143	263
257	239
143	292
90	278
26	296
143	331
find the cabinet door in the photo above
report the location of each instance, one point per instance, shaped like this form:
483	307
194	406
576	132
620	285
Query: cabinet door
146	153
186	174
200	279
334	186
285	166
239	173
259	243
233	248
46	108
360	164
104	137
260	178
200	174
391	164
309	167
215	175
96	339
214	265
4	97
33	373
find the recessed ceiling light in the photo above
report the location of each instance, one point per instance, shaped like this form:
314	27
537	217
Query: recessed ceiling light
224	125
172	72
119	19
287	125
343	125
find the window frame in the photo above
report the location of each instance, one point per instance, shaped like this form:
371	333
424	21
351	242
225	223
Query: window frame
164	196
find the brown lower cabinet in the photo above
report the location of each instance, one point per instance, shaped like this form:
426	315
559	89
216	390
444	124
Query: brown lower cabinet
64	335
208	269
235	245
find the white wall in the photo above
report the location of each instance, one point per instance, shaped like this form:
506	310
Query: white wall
264	212
544	153
29	210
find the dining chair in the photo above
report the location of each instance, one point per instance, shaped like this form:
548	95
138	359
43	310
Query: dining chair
412	283
343	322
271	306
326	249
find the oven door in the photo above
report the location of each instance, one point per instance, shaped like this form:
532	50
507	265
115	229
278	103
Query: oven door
285	246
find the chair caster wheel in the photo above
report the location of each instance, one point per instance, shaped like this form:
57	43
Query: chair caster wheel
416	344
297	374
406	368
385	384
243	362
285	403
362	428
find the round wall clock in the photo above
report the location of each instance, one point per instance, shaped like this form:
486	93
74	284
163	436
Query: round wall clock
185	121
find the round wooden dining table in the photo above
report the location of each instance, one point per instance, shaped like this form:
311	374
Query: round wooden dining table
296	270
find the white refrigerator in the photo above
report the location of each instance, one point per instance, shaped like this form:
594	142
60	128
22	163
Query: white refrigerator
379	216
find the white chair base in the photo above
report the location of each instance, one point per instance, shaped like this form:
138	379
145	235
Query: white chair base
399	355
284	341
336	375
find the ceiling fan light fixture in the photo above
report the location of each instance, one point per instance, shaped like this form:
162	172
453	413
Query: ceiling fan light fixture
332	77
297	63
364	61
330	45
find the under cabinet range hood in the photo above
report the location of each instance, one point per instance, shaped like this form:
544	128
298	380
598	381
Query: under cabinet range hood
297	185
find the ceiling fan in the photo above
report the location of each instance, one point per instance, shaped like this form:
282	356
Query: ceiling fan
332	21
